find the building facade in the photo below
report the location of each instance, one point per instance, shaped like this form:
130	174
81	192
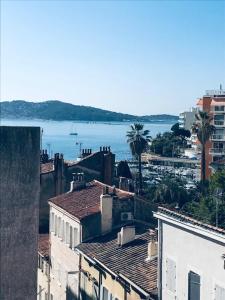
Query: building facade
19	201
57	174
187	118
213	102
119	265
191	258
86	211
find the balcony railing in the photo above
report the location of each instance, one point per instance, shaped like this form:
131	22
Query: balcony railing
218	137
219	123
219	109
217	151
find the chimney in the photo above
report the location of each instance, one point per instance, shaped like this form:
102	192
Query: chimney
78	182
106	205
123	184
126	235
152	246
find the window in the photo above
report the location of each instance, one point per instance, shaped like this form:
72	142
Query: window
193	286
95	291
51	297
52	219
219	293
105	294
67	233
171	275
56	225
71	237
75	233
39	292
83	286
59	227
40	262
63	231
46	296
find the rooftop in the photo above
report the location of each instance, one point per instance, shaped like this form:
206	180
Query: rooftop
47	167
128	260
186	219
86	201
43	245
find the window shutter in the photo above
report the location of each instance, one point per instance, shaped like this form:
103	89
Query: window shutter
52	219
193	286
63	233
101	292
171	275
219	293
56	225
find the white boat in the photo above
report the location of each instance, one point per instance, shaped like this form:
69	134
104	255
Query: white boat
73	131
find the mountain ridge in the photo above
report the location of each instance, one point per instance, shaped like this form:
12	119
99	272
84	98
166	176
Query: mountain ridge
61	111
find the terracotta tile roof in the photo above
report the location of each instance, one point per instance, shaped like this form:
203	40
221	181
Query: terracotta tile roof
43	245
84	202
128	260
187	219
48	167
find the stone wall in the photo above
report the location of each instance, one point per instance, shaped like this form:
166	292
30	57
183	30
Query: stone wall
19	199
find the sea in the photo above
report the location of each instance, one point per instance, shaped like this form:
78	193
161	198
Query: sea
56	137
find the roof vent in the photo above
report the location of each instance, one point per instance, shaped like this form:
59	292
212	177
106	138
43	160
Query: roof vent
126	235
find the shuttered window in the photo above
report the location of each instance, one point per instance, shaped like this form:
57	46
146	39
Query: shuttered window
56	225
193	286
67	233
219	293
52	219
63	231
71	237
171	275
75	232
105	294
59	227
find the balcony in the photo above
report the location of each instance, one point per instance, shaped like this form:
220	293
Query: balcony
218	110
219	137
217	151
219	123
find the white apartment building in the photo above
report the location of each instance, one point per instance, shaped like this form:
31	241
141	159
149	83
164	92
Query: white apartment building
191	258
187	118
84	212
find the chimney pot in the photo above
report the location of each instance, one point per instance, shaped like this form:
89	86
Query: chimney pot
126	235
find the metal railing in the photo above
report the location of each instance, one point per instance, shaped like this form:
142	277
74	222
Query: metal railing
218	137
217	151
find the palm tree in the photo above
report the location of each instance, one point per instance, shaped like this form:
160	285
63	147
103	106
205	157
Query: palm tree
204	130
138	140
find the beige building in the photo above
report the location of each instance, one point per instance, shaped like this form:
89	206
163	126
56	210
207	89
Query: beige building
87	210
43	292
119	265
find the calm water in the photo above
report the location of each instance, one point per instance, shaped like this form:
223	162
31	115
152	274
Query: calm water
57	138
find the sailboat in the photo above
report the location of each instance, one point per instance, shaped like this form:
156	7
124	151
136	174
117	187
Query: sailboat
73	131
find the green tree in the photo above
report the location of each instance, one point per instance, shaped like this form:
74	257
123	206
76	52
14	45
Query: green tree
138	140
204	130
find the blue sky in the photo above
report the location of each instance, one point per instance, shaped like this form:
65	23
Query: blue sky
139	57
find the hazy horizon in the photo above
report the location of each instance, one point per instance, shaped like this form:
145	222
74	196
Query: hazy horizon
134	57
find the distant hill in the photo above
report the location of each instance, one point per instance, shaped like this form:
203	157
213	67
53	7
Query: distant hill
59	111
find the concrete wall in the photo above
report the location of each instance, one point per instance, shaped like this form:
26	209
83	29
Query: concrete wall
191	252
19	201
